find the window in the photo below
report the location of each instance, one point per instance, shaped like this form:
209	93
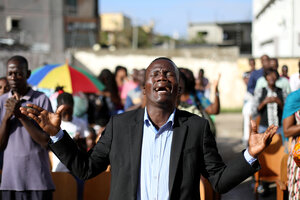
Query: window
13	23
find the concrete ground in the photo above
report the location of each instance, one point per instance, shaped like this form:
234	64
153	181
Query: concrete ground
229	135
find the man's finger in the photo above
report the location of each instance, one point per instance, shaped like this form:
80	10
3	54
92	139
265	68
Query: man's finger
269	134
35	118
31	110
274	130
60	109
16	96
270	128
35	107
253	126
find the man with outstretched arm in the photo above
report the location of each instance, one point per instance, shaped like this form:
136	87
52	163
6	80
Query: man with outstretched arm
158	152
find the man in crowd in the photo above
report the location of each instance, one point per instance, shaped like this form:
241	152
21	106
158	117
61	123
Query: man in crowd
281	82
255	75
25	174
134	97
158	152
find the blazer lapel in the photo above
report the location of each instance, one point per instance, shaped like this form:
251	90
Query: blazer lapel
179	133
135	138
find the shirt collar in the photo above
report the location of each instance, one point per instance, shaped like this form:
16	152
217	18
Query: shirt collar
26	97
148	122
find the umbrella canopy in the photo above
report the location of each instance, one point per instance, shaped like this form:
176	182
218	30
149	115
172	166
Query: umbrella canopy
73	79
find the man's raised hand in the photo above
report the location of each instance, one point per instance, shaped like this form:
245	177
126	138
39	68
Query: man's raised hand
48	121
259	141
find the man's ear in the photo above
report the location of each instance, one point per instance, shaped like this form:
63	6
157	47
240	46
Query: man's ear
179	91
144	92
28	74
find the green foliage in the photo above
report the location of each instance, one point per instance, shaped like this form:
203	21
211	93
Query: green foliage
144	38
199	39
103	38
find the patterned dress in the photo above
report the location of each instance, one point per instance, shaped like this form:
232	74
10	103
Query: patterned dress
294	170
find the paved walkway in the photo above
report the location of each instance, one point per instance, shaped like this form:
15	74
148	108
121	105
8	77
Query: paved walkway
229	135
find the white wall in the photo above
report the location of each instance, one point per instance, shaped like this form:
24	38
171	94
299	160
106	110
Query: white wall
214	32
231	86
276	30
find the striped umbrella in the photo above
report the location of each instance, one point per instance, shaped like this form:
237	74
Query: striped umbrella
73	79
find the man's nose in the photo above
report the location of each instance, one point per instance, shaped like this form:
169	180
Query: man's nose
162	77
13	76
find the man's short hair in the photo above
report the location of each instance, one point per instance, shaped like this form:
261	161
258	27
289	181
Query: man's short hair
22	60
251	59
275	59
171	61
285	67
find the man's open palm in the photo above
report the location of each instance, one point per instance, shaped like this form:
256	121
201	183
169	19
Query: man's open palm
48	121
259	141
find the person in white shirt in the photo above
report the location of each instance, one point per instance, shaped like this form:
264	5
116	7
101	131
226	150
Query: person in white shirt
295	80
76	128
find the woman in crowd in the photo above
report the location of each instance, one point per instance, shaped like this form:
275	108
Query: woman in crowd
199	100
202	84
189	100
291	128
111	96
268	102
121	76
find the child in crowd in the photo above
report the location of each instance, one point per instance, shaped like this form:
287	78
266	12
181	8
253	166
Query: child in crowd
4	86
91	139
75	127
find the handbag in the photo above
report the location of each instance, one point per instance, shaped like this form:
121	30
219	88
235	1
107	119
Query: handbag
296	152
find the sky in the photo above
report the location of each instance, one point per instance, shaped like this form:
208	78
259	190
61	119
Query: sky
171	17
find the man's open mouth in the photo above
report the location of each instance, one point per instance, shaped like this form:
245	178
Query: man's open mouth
163	89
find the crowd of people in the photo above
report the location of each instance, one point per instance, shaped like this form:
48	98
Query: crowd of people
87	132
273	98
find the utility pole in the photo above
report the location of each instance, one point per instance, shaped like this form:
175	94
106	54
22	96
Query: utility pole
135	36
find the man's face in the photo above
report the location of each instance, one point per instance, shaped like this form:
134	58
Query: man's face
141	77
17	75
265	62
4	87
161	86
273	64
252	64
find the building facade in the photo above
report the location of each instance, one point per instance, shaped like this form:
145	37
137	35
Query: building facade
48	27
81	23
33	25
116	29
222	34
276	28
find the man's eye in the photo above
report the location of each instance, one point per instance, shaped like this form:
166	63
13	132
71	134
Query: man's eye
155	74
170	74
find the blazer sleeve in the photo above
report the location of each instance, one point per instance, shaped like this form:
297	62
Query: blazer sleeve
224	177
85	165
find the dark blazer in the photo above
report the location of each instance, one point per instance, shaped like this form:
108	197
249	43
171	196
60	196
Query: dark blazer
193	153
